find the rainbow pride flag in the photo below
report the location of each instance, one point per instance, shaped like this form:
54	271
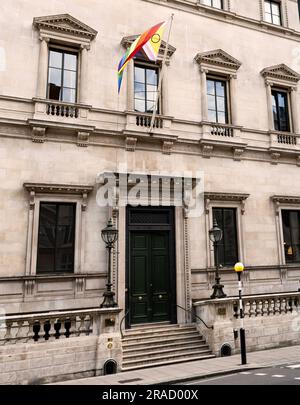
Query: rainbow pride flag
149	42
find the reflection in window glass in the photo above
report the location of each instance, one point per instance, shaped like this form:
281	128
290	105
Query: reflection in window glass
227	247
62	76
280	111
213	3
291	235
145	88
217	101
272	12
56	238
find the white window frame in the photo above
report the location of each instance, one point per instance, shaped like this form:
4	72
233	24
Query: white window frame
145	64
287	91
64	48
213	6
73	34
227	79
226	5
283	11
282	78
226	69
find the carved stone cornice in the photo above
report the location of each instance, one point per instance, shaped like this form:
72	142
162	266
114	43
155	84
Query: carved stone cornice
128	41
218	58
217	196
286	199
281	73
44	188
227	197
64	23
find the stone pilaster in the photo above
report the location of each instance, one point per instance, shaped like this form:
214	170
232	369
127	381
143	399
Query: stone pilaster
270	109
130	86
84	76
233	99
294	104
43	68
203	94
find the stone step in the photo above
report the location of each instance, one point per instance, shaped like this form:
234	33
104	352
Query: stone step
168	357
162	329
152	325
164	362
168	350
159	345
147	337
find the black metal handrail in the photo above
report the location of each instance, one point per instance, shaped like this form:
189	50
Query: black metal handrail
198	317
121	323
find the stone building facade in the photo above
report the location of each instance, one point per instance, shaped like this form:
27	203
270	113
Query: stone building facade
228	119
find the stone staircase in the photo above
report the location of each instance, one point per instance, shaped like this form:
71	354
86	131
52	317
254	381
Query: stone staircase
161	344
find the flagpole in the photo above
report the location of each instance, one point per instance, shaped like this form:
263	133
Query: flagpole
161	77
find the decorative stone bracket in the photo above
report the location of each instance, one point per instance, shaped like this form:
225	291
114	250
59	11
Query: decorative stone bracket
83	138
167	147
130	143
38	134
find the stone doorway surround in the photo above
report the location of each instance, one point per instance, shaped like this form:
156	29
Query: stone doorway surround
181	198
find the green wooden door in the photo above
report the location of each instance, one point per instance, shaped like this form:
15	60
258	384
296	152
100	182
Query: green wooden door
149	273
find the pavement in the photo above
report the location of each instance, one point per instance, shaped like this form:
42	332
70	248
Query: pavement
183	372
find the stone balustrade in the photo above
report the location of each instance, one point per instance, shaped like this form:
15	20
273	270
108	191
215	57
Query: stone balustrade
270	320
141	122
227	135
286	139
51	326
62	109
268	306
145	121
222	130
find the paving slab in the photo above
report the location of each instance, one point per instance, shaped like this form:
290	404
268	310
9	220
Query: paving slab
196	369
